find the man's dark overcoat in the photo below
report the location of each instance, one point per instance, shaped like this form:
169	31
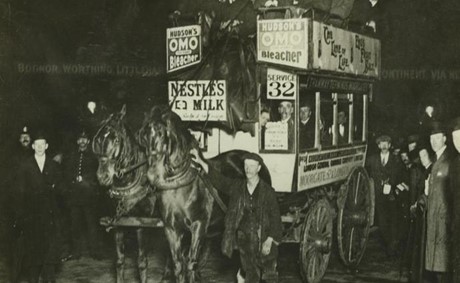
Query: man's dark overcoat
385	205
39	210
270	219
307	134
438	217
455	189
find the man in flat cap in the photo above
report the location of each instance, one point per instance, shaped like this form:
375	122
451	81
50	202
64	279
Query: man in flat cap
385	168
437	255
253	221
455	188
82	197
39	182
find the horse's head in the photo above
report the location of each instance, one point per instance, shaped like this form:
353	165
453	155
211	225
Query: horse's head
167	142
110	146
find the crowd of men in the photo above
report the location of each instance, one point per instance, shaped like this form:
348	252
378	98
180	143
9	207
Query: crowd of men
417	200
52	205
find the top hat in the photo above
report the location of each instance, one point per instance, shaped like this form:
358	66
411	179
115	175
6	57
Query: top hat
437	128
253	156
39	135
383	138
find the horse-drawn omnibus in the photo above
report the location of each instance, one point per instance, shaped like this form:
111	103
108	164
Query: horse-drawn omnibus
314	82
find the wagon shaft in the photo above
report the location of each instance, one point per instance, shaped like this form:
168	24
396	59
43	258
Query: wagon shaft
131	222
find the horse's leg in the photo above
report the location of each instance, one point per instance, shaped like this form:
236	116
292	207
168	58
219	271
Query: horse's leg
142	262
198	231
175	245
120	245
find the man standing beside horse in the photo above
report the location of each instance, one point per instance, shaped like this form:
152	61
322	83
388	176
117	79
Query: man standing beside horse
253	221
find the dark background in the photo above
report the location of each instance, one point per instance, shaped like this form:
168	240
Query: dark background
415	35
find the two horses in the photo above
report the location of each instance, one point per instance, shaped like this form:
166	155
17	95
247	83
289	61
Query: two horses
186	203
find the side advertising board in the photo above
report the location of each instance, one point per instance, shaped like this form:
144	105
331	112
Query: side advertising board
183	47
328	166
202	100
344	51
283	41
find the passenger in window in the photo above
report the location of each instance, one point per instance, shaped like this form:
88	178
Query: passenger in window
263	119
286	109
324	135
306	128
343	127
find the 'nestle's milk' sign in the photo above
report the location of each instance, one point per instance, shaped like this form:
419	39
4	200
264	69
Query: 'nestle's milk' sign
283	42
183	47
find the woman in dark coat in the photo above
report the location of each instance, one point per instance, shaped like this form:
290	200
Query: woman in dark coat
39	181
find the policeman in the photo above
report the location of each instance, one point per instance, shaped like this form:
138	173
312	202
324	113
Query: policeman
80	175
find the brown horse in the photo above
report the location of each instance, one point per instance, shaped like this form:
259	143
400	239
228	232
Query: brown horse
186	204
121	166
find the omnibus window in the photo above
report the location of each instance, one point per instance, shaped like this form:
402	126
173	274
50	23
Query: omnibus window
307	126
358	117
326	119
343	119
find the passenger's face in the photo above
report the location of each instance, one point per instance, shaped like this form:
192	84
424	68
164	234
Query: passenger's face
305	113
285	109
405	158
342	118
264	118
251	168
384	146
437	141
456	139
24	139
424	157
40	146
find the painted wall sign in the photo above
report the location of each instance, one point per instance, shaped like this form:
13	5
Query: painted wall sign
281	85
325	167
183	47
343	51
282	41
202	100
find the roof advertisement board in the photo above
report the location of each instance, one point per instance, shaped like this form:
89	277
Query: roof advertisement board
183	47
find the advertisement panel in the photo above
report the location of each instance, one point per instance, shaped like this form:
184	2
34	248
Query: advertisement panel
283	41
325	167
202	100
183	47
281	85
339	50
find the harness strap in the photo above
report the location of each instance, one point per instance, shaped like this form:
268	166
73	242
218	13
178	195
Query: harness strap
213	191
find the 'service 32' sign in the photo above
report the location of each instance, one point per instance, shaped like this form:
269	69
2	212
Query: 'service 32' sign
203	100
283	41
183	47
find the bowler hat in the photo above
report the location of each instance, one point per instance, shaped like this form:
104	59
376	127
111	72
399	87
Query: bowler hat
253	156
412	139
83	135
437	127
39	135
455	124
383	138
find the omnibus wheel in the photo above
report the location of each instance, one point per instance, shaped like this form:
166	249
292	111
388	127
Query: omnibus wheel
355	204
315	245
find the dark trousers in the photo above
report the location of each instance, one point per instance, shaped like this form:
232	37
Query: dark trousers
84	226
388	222
254	265
47	272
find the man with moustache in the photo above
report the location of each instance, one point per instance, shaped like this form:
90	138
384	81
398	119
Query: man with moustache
455	189
39	182
80	174
286	109
437	255
384	168
253	221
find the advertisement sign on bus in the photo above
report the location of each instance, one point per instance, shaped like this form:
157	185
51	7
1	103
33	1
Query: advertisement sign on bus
183	47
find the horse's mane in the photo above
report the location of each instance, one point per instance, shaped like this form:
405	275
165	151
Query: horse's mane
179	138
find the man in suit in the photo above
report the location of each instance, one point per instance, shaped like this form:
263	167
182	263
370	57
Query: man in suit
253	221
455	188
306	128
438	208
286	109
39	183
384	168
343	127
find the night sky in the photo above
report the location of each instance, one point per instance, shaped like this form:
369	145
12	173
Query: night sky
420	60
